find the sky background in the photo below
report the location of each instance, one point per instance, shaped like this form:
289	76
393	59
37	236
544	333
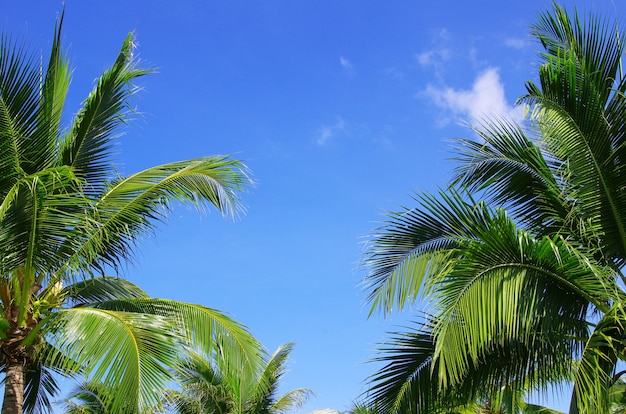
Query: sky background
341	109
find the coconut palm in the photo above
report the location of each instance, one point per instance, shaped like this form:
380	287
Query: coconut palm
218	387
66	216
522	289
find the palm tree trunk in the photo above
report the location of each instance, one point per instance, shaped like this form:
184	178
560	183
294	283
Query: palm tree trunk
13	387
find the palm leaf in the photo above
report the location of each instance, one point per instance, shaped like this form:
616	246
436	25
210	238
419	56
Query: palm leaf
145	345
130	207
100	289
87	146
199	329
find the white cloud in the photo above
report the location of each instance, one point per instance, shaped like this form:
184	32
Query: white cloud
515	42
433	57
327	132
346	64
486	98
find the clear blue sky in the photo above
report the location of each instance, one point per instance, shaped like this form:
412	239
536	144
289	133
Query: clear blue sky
341	109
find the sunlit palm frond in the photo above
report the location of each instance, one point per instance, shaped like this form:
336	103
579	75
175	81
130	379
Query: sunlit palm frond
41	151
89	398
509	168
87	146
415	246
99	289
199	329
19	98
145	345
510	287
580	105
266	396
132	206
37	215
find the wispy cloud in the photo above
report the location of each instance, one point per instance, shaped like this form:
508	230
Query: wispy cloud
486	98
516	42
433	57
346	65
327	132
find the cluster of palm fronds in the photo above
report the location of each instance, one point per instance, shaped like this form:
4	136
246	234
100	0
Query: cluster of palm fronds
66	218
520	259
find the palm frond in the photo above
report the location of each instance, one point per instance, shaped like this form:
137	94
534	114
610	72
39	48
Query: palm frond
41	151
199	329
414	246
87	146
145	345
19	98
132	206
41	387
100	289
603	349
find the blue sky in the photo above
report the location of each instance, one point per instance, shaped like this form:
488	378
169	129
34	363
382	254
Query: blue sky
341	109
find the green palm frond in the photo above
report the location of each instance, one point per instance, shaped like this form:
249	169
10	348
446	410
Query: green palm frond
90	398
206	331
35	213
221	385
414	246
145	345
41	387
41	151
130	207
579	106
99	289
604	347
19	98
266	389
65	215
511	170
407	382
87	146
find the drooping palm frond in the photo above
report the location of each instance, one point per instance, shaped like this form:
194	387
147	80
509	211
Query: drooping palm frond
41	387
99	289
199	330
593	382
145	345
503	295
132	206
413	246
508	286
407	382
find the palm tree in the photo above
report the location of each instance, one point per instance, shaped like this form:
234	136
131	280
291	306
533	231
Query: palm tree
219	387
65	217
521	290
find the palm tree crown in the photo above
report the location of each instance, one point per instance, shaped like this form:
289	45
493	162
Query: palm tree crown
66	216
524	286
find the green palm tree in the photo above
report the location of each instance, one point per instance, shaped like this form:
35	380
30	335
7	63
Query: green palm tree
66	216
219	387
527	293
